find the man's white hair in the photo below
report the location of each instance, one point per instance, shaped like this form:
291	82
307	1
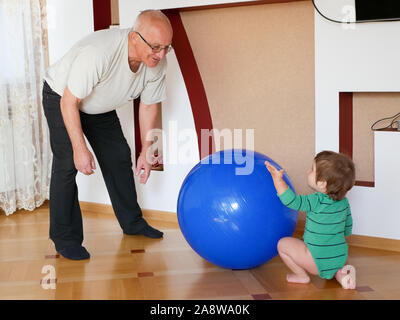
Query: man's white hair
156	14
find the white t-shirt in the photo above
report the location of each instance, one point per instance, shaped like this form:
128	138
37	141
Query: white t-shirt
96	70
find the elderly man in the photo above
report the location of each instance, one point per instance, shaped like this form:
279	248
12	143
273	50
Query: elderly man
81	92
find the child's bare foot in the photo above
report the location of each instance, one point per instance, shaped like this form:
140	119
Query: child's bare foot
296	278
347	277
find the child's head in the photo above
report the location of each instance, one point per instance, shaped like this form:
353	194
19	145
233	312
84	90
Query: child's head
332	173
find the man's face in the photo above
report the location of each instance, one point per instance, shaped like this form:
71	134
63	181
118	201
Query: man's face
156	37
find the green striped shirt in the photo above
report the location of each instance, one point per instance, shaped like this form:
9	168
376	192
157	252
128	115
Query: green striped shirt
328	222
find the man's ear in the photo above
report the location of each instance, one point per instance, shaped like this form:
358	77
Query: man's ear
132	36
322	185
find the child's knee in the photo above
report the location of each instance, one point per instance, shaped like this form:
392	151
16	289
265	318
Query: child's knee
282	244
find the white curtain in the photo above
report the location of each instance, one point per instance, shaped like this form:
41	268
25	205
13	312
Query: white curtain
25	154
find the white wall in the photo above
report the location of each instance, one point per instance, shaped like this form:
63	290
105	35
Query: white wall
68	22
384	200
360	58
375	210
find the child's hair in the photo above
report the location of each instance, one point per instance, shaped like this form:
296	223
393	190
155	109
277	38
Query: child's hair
337	169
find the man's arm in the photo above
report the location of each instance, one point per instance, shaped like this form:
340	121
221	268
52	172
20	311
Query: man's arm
83	158
147	121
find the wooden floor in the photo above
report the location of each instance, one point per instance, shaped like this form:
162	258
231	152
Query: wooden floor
135	267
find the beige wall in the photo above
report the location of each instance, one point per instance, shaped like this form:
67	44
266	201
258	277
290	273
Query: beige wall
368	108
114	12
257	65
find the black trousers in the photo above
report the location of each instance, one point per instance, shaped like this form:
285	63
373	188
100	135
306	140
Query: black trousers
104	133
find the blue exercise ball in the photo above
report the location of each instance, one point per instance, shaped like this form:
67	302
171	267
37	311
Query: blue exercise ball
229	212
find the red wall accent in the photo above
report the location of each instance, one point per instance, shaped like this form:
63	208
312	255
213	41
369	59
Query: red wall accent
138	139
193	83
346	130
370	184
235	4
192	78
101	14
346	123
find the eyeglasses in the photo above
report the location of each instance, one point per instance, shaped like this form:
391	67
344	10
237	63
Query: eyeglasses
156	49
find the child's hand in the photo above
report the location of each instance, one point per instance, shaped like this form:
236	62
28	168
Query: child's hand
276	175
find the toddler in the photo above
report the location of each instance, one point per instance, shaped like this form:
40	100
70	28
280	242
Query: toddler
324	251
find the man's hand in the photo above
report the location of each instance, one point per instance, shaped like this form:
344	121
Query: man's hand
83	158
84	161
143	164
147	121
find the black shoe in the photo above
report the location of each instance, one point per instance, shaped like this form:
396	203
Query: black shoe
74	252
149	232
